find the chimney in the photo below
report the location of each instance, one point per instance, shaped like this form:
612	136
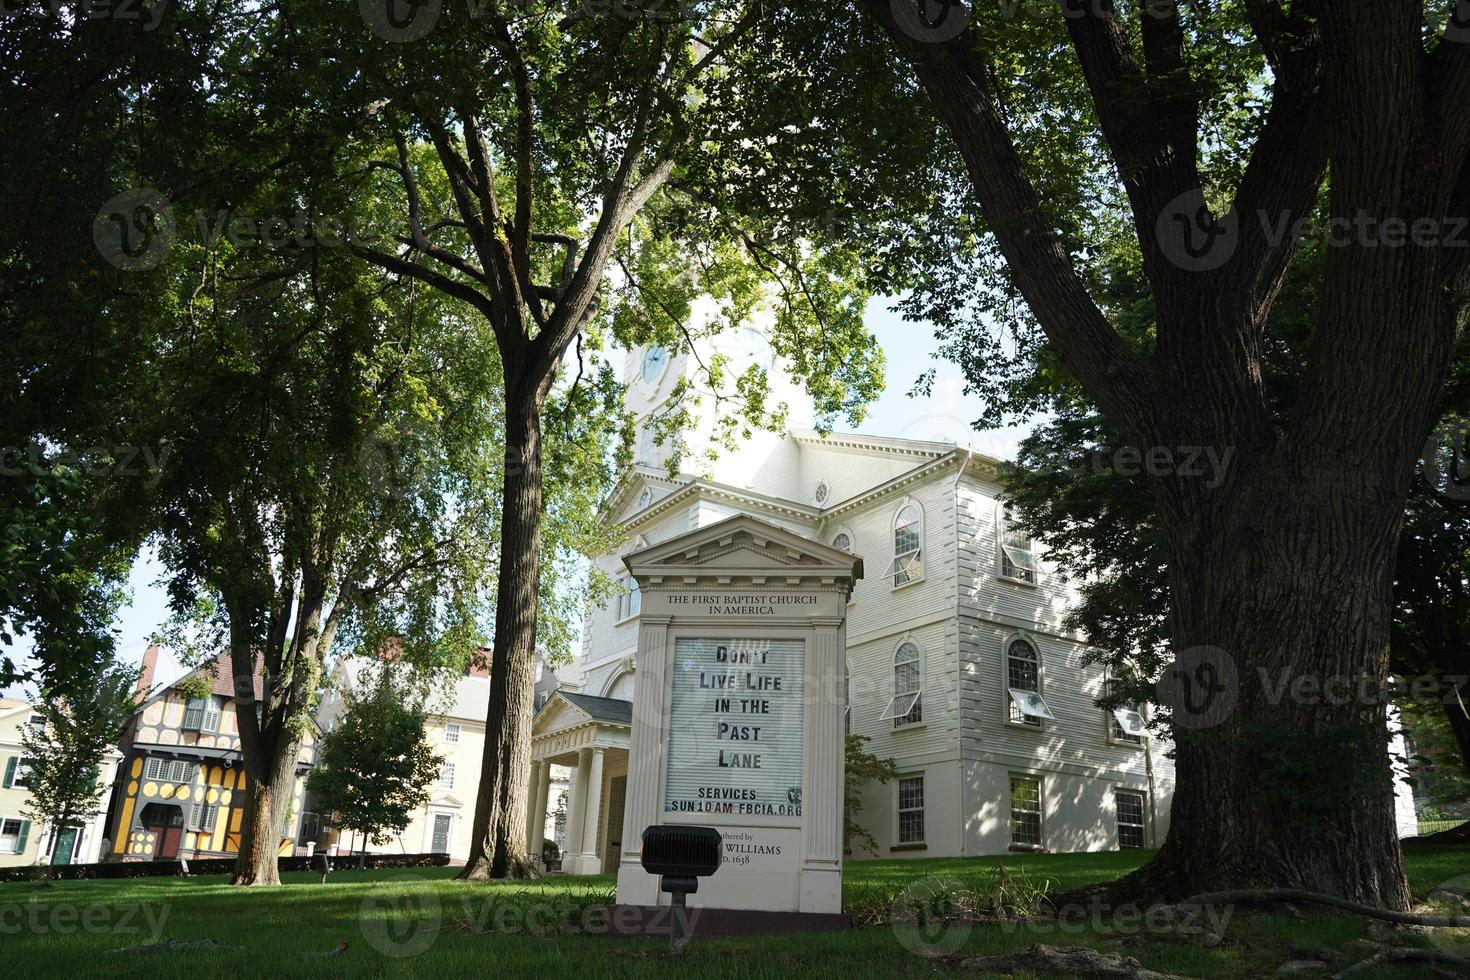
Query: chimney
480	663
150	663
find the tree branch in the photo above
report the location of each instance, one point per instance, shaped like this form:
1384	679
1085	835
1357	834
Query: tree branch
1084	339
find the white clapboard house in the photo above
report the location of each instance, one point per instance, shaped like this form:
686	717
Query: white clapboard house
959	669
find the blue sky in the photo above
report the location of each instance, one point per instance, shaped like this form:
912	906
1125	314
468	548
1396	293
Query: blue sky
910	350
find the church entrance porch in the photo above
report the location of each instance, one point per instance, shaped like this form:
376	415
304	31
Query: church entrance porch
589	736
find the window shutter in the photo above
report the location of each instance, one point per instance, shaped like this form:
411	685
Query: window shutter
20	844
10	771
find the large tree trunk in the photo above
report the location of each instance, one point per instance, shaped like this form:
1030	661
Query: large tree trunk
1280	613
1285	566
1455	692
266	798
497	844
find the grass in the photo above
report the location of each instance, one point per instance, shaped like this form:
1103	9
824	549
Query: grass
66	929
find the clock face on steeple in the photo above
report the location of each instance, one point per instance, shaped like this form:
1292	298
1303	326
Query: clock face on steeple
655	359
752	347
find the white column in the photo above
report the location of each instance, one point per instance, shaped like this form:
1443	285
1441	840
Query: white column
645	759
822	767
538	809
571	860
533	788
592	819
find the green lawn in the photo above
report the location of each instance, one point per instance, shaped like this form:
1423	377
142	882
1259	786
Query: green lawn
421	923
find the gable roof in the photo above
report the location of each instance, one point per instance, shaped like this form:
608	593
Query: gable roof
744	546
219	671
614	710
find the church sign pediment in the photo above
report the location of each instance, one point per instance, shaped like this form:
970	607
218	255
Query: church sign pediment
744	551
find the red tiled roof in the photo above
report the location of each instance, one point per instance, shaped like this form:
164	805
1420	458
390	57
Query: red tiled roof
223	676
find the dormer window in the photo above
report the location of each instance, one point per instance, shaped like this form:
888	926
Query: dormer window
202	715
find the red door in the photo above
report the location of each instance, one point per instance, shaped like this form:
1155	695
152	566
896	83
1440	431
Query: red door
168	841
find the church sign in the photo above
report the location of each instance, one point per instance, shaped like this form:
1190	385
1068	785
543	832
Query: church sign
735	727
738	713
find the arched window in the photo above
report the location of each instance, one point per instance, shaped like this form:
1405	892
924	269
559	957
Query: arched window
908	537
842	541
1023	684
906	707
621	687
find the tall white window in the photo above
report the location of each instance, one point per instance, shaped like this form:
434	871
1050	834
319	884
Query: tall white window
630	600
911	809
1130	818
906	707
908	553
446	775
1023	684
1026	811
451	732
1017	560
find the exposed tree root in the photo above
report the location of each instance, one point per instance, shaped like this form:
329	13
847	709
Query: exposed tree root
1076	961
482	869
171	946
1388	957
1247	896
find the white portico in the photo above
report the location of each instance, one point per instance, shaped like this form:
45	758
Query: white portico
589	735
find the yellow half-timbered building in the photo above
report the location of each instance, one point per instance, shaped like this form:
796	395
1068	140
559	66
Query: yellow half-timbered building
182	793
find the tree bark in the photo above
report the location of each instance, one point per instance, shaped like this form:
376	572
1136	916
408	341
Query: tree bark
1285	781
266	800
497	845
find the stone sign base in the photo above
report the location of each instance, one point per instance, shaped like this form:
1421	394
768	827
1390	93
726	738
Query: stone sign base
654	921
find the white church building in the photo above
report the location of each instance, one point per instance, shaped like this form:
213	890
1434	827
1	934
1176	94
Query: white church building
958	667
